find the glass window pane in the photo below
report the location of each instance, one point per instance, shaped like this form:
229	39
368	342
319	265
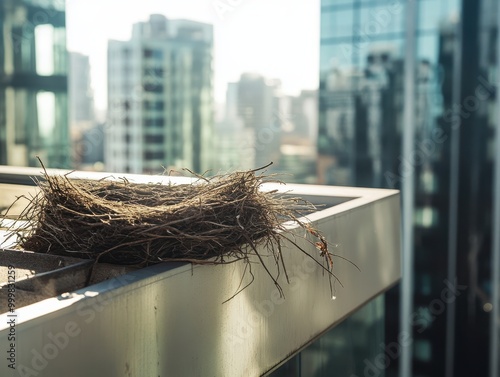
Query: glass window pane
46	104
44	41
382	19
434	14
348	349
336	55
336	24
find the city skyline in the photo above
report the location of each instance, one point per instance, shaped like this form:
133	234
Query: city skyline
235	50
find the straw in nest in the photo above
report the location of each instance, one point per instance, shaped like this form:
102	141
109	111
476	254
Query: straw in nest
214	220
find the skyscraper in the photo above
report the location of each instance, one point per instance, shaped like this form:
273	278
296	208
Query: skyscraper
249	133
234	142
298	150
81	113
422	72
262	125
33	83
160	110
258	107
81	104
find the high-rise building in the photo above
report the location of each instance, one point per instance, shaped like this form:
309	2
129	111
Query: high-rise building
424	75
33	83
234	142
258	101
249	133
81	113
302	116
261	125
160	106
298	149
81	96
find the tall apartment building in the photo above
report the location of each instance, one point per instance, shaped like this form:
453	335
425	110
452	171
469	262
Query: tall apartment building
33	83
423	71
160	106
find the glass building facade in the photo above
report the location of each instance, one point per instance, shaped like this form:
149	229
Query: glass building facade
353	348
33	84
368	50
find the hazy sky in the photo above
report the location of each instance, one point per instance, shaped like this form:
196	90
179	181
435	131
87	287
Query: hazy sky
277	38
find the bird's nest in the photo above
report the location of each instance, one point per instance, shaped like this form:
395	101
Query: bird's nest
214	220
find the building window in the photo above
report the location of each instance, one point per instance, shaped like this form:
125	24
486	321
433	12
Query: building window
154	139
159	105
426	217
154	73
153	105
425	284
153	88
44	42
46	106
154	122
160	155
155	54
159	122
337	24
428	181
423	350
158	54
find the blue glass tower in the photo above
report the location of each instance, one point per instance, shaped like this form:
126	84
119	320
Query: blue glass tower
424	72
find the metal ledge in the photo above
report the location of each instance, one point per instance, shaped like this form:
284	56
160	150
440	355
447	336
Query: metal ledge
170	320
